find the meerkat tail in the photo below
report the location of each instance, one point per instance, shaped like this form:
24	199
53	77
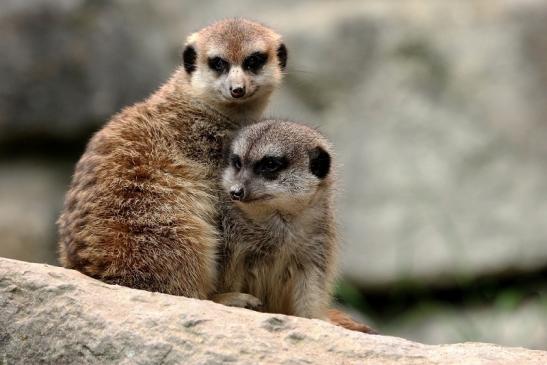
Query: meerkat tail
341	319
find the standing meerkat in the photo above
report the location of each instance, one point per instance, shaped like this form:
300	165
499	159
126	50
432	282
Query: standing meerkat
142	209
279	233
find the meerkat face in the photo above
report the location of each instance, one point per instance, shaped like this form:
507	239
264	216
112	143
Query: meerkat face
234	61
277	166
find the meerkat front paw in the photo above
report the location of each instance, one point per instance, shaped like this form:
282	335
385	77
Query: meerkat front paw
241	300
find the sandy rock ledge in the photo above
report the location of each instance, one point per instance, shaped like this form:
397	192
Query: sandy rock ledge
50	315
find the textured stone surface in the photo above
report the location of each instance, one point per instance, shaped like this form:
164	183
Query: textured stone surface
51	315
441	134
68	65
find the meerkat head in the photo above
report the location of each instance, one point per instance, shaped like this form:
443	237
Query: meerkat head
234	65
277	166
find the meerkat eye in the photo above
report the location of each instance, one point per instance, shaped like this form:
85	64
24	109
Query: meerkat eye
218	64
236	162
269	166
255	61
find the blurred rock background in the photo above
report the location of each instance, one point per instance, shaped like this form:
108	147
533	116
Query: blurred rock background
437	108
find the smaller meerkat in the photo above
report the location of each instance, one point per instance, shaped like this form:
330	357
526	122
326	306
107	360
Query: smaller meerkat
279	232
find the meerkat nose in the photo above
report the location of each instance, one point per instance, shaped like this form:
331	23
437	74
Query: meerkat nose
237	92
237	193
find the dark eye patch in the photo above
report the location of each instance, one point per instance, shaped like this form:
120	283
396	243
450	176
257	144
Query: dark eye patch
218	64
255	62
235	160
270	166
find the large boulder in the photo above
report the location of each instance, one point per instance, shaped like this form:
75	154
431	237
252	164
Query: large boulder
438	113
68	65
51	315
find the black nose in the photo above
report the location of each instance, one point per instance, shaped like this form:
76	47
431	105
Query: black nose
237	193
237	92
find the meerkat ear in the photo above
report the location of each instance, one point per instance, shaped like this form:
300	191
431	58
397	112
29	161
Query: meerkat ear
319	162
189	56
282	55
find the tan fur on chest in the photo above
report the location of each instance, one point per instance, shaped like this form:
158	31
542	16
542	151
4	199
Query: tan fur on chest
271	260
271	279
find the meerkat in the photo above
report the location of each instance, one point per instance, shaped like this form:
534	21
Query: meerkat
142	209
279	231
280	242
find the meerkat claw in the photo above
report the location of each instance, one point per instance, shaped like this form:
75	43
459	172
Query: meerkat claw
241	300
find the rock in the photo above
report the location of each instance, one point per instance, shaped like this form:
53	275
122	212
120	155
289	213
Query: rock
68	65
437	111
51	315
32	195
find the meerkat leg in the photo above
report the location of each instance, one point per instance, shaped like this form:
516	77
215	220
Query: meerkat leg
229	282
311	298
235	299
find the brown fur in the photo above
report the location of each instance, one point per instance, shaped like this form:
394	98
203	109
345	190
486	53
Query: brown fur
237	38
141	210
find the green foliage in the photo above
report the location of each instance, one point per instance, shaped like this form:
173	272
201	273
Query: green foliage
347	293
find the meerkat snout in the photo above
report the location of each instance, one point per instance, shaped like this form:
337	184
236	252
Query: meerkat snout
237	192
237	92
236	82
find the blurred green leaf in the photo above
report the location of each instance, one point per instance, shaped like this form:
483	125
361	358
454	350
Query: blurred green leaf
509	299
